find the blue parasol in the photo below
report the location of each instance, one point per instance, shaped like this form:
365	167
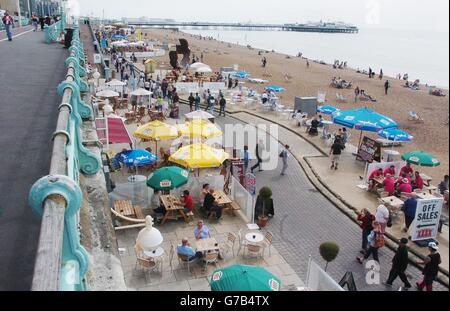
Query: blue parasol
137	158
328	110
241	74
275	88
364	119
395	135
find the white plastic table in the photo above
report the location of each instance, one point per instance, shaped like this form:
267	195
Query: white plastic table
159	252
254	237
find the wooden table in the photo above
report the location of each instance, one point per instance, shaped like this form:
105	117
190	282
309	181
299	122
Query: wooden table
427	179
207	245
174	208
125	207
221	198
379	180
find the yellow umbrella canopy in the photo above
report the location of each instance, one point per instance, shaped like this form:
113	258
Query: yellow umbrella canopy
199	129
156	131
199	156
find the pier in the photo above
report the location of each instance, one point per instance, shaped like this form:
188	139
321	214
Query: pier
320	28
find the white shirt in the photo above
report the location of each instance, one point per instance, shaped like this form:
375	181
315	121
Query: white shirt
382	214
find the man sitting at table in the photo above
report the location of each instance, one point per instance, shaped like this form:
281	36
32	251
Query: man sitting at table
210	205
187	202
418	181
390	171
404	187
185	249
401	179
201	232
389	184
407	169
375	174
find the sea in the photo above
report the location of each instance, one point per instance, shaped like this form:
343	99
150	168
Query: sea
424	55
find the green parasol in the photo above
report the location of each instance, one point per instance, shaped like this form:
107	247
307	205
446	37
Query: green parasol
244	278
168	178
421	158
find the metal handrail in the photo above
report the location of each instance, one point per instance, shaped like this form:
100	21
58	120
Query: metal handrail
61	261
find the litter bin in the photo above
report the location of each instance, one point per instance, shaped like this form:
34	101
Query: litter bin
68	37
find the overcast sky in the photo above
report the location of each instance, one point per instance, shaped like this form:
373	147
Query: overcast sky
410	14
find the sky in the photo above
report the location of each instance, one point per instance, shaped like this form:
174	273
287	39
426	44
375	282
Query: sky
396	14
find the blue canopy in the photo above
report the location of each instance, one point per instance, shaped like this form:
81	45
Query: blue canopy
118	37
275	88
395	135
241	74
137	157
329	110
364	119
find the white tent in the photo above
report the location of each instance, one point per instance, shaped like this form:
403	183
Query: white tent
204	70
197	66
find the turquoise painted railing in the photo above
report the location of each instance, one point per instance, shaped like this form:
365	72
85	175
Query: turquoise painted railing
53	31
61	261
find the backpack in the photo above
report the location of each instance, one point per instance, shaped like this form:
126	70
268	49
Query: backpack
379	240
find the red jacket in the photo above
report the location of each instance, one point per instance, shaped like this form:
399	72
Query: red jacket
366	221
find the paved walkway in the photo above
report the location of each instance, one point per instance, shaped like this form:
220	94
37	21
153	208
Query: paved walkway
16	32
305	218
30	72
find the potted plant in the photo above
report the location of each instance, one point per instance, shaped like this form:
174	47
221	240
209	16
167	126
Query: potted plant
329	251
264	206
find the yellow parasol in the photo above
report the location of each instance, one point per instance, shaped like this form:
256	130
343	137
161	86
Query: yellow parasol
156	131
199	129
199	156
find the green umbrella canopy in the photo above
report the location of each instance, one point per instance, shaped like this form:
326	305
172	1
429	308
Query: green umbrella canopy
244	278
421	158
168	178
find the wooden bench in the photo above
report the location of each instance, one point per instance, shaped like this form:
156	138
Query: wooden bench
232	208
139	212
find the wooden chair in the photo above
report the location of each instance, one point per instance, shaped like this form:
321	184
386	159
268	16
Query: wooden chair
210	258
254	250
146	264
230	243
184	261
171	255
140	115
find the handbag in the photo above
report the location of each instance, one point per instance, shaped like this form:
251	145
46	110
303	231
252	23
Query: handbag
379	240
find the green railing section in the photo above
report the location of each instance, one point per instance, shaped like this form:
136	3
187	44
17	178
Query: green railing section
62	262
53	31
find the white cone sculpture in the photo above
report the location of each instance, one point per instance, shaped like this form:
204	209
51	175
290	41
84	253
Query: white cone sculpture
149	238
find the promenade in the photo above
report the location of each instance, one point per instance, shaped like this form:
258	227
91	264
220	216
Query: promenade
30	72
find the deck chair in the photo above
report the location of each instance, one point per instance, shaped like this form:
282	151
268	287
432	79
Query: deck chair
413	116
140	115
341	98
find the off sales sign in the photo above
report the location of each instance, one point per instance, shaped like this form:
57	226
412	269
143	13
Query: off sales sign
426	223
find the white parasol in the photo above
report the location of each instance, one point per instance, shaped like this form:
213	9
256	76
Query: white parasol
107	94
141	92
